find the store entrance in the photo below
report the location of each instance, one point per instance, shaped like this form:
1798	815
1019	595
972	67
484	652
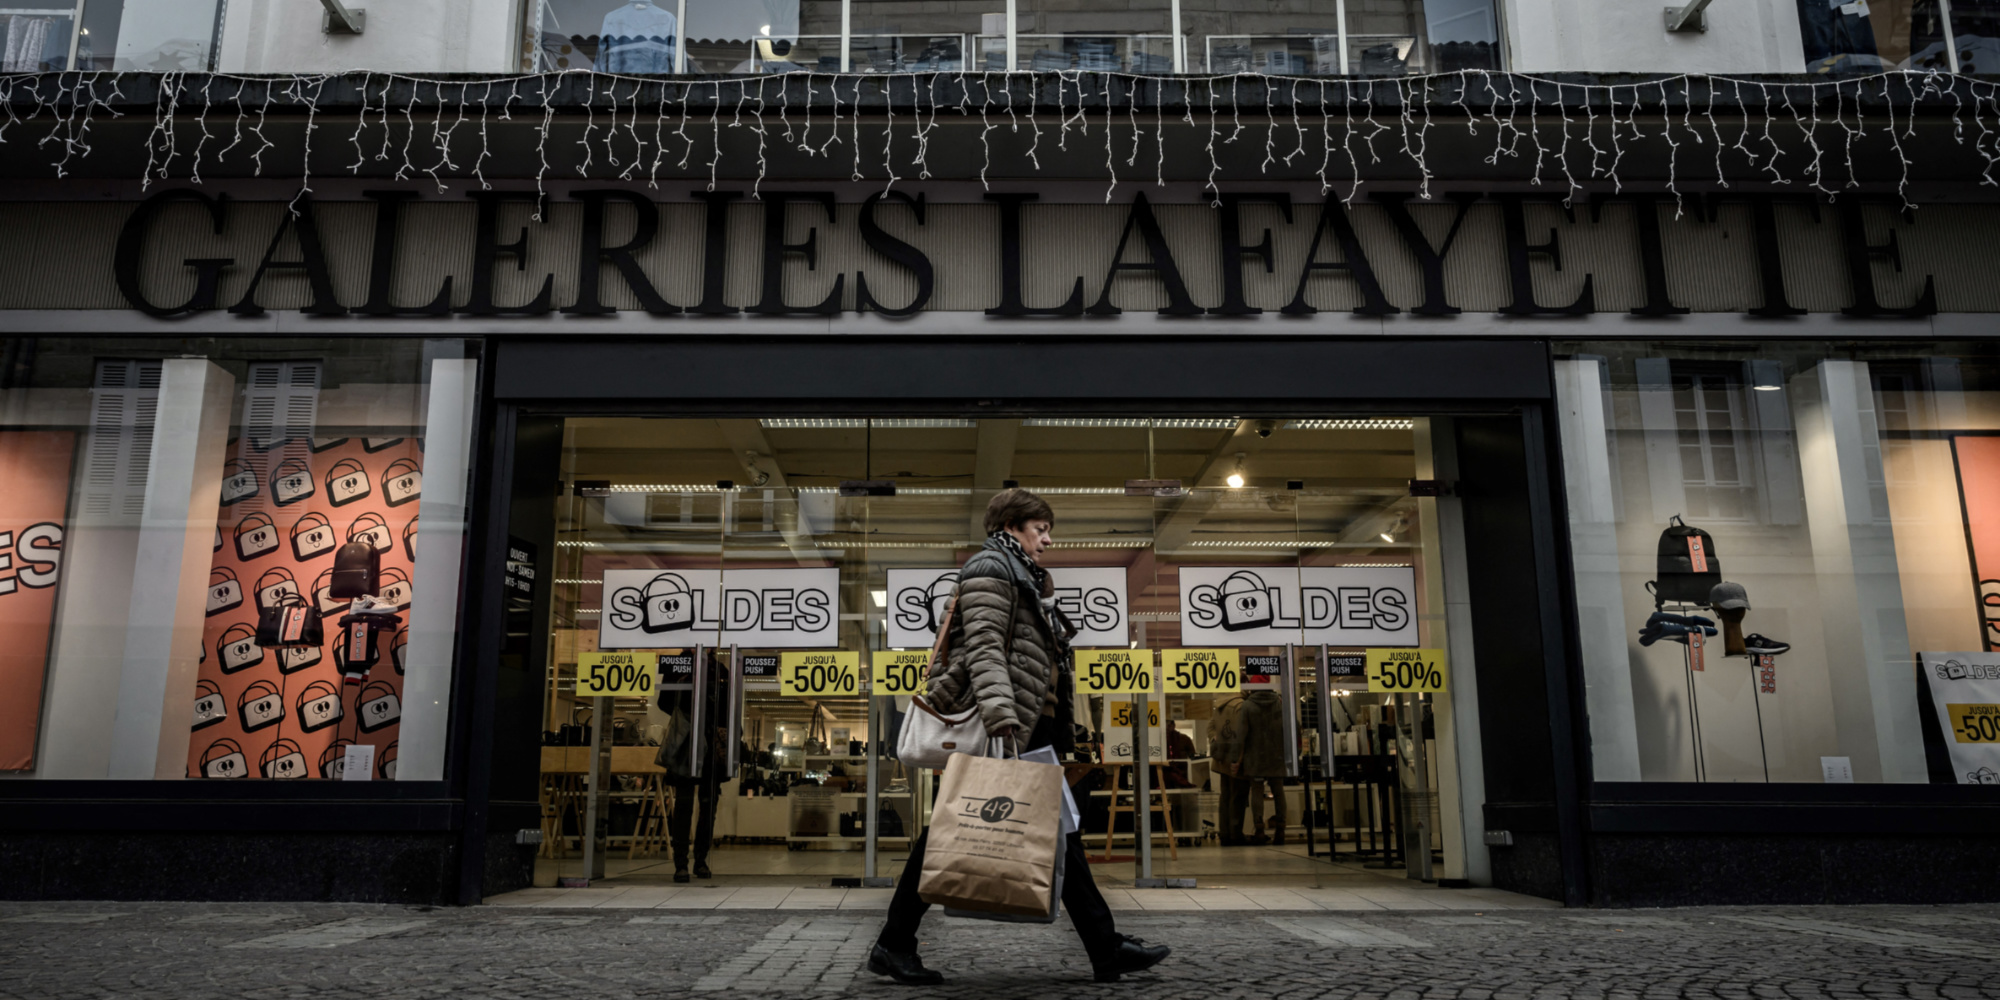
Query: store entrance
778	583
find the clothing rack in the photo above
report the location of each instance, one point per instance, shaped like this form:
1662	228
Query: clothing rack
1694	698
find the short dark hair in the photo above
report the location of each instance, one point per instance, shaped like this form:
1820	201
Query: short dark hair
1011	508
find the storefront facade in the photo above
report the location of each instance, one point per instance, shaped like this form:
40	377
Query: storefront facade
1425	407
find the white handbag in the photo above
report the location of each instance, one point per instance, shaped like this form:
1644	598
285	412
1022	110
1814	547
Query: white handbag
929	737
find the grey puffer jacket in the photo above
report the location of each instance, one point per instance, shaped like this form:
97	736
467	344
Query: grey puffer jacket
999	613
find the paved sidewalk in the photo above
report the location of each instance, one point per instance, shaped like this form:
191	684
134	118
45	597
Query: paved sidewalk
51	951
725	897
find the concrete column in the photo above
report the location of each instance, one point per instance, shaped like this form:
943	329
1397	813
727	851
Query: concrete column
435	584
1460	768
149	733
1588	470
1860	595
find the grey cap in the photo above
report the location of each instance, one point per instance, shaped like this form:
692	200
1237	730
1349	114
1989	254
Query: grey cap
1728	596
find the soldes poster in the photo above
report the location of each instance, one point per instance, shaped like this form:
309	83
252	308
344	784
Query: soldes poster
35	467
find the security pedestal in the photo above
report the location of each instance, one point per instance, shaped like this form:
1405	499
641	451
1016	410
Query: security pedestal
597	808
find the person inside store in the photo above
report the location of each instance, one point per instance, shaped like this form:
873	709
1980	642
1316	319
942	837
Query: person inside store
1249	749
1024	700
691	789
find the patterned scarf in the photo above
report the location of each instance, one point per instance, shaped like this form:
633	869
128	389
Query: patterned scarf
1013	546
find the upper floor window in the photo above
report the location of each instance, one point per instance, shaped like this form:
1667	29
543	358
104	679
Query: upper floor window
1851	37
143	36
1314	37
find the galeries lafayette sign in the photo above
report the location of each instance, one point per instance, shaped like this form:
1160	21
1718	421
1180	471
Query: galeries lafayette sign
1398	265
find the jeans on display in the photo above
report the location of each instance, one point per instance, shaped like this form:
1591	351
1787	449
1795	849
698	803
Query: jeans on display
1080	896
708	790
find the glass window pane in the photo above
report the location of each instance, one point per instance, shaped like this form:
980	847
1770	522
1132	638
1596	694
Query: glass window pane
900	36
1053	37
1975	28
36	42
148	36
1848	37
1383	37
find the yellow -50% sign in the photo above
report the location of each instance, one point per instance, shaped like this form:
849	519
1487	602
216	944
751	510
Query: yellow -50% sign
1200	671
1975	723
1122	713
606	675
1406	671
1114	671
900	673
819	675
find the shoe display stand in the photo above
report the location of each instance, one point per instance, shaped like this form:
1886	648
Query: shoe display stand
1688	671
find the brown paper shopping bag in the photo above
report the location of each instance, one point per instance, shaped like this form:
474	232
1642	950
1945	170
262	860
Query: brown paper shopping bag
994	836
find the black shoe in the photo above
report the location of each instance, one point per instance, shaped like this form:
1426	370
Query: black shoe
1133	955
907	969
1754	644
680	873
701	870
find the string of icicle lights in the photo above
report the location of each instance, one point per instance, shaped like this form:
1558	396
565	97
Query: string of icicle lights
636	127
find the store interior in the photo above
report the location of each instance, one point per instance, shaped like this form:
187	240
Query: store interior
1281	498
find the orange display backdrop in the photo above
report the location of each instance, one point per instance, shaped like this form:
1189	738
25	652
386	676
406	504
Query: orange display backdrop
34	466
286	713
1978	460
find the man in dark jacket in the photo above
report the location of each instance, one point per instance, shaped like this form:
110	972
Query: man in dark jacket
1008	656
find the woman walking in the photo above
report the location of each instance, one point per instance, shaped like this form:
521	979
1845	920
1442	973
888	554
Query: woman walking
1003	593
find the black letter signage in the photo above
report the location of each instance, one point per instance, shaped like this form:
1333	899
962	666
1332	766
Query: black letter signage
1010	264
1861	256
1233	250
775	249
1515	219
1431	260
1178	302
1333	215
486	253
382	266
312	260
909	257
592	255
130	256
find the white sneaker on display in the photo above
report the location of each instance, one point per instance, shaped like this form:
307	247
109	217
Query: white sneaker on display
369	604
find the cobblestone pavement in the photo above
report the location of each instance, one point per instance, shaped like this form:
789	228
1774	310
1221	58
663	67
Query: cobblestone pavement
51	951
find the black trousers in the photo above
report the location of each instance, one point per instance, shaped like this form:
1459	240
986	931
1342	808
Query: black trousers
708	791
1085	905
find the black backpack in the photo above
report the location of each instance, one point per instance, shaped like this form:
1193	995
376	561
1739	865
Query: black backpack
1688	566
355	568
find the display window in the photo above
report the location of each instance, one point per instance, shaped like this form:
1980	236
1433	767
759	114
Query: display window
780	582
1785	558
214	566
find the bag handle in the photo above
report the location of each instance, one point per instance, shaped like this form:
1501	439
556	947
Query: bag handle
223	639
355	528
397	464
345	462
308	519
223	571
400	576
372	685
287	463
244	698
252	520
283	575
230	745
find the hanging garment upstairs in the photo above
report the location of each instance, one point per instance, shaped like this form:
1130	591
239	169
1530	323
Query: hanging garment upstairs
638	38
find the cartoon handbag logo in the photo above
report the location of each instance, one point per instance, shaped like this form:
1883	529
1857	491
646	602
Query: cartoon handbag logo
275	587
292	659
256	537
372	527
239	482
261	704
333	760
379	707
320	444
402	482
1246	602
224	759
282	759
323	594
385	767
225	592
410	540
236	649
313	536
372	445
393	588
319	706
938	598
209	707
346	482
291	482
665	605
396	648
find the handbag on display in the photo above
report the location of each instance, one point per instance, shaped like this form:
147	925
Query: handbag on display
256	537
410	540
356	567
290	622
392	587
1688	567
375	529
312	537
355	649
